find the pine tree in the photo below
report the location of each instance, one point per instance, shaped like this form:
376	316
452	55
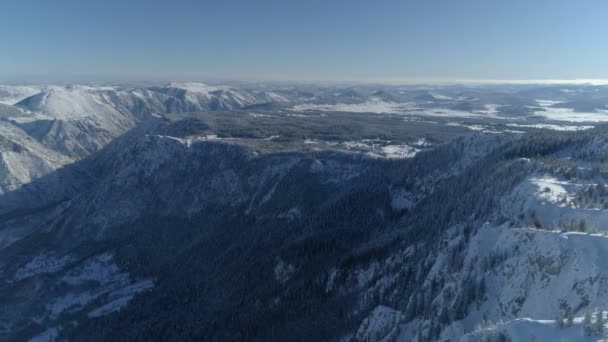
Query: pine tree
569	317
599	323
559	319
420	337
587	324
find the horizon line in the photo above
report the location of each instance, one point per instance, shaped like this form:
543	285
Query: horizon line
337	81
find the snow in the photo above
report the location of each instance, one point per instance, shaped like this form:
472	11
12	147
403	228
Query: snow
398	151
530	274
401	199
381	325
85	118
227	97
380	106
23	159
552	127
12	94
527	265
195	87
112	284
422	142
121	297
273	96
527	329
571	267
551	189
549	198
258	115
70	301
71	102
49	335
110	307
194	139
490	109
79	119
100	268
568	114
283	271
471	127
43	263
376	106
381	148
451	113
547	103
373	147
481	128
441	97
537	263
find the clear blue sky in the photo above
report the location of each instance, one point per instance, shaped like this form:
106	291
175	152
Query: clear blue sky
306	39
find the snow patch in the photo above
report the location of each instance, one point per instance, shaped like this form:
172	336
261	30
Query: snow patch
551	189
12	94
398	151
547	103
375	106
401	199
43	263
527	329
49	335
121	297
568	114
381	325
98	277
283	271
553	127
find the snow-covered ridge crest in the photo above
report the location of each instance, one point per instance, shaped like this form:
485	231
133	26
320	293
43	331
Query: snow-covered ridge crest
10	94
197	87
514	275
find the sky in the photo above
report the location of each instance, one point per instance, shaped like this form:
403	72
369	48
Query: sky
305	40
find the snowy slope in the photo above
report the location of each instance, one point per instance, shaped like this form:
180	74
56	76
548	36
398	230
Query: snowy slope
515	272
191	97
522	276
518	267
77	120
541	254
94	286
12	94
572	267
23	159
526	329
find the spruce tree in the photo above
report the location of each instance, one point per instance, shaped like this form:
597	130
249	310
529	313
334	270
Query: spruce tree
587	328
599	323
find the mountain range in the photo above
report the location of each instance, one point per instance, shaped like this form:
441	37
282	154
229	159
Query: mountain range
187	211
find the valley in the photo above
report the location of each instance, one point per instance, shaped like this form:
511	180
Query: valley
186	211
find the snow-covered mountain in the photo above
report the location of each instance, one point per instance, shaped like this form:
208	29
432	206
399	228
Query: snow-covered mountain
165	224
192	97
147	184
78	120
529	271
11	94
23	159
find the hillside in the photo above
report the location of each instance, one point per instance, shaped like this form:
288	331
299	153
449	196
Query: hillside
255	225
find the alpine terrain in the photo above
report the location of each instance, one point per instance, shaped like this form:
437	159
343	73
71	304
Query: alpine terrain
273	212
